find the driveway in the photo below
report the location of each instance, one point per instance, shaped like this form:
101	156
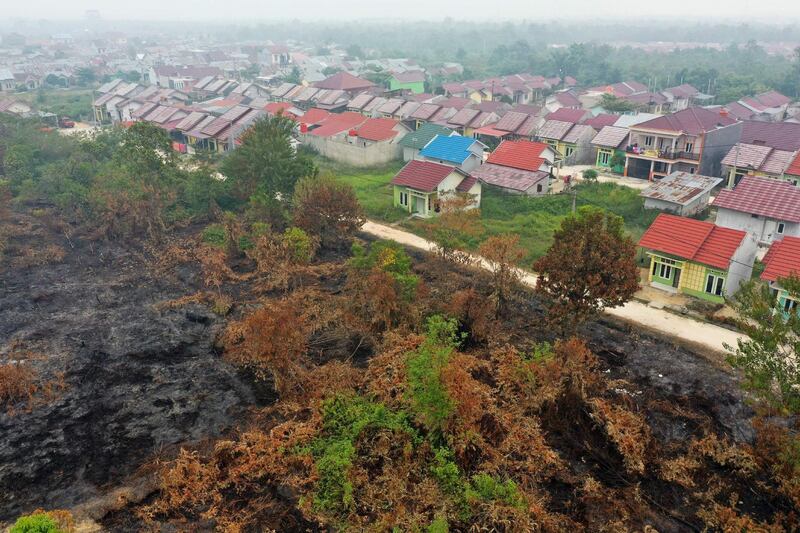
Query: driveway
680	328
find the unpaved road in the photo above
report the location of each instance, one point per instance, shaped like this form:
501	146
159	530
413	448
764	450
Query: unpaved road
682	329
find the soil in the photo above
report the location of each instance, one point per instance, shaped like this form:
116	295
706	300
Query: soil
138	380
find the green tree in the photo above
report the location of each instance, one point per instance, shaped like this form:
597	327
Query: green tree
295	76
612	104
85	76
589	267
266	163
770	353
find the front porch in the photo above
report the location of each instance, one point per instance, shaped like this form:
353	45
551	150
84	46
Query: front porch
417	203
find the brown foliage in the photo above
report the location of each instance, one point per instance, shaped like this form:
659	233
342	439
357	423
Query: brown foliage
27	256
503	253
328	210
589	267
20	382
627	430
272	342
475	313
458	221
727	520
375	302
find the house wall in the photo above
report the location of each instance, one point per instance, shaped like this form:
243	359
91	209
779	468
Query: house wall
741	267
761	228
410	154
357	155
448	186
693	278
716	144
417	87
695	206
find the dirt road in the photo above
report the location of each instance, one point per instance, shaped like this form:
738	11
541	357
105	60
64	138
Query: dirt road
682	329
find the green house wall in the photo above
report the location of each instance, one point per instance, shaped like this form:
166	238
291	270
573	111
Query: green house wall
417	87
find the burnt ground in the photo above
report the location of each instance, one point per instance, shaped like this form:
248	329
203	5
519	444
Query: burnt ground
140	380
137	379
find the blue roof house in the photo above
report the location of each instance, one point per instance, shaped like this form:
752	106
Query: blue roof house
464	153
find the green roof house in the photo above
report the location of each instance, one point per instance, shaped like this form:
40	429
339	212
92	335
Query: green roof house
410	80
415	141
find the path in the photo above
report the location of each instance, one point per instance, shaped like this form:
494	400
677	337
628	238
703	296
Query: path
679	328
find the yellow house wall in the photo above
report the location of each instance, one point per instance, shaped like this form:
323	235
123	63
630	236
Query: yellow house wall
693	277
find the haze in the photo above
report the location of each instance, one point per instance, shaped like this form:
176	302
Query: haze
780	11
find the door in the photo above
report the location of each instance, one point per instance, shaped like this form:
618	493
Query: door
419	205
676	279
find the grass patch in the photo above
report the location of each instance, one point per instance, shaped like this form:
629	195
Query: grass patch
73	103
371	185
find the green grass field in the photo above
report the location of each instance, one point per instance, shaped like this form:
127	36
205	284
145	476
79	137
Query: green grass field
372	187
74	103
533	219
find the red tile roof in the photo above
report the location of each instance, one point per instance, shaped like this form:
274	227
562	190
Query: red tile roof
691	239
422	175
794	167
273	108
344	81
782	259
565	114
601	121
314	116
523	155
778	135
768	197
694	120
378	129
336	124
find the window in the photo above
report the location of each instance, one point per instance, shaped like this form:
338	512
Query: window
604	158
649	140
781	228
689	147
714	284
691	170
568	150
404	199
789	305
539	187
662	268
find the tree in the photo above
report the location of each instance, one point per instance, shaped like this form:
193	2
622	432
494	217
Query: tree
457	224
295	76
589	267
503	252
355	51
266	163
590	174
770	353
612	104
327	209
85	76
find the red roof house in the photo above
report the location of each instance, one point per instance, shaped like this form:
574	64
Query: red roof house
782	259
420	185
344	81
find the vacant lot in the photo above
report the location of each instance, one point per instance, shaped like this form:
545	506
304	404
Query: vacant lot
74	103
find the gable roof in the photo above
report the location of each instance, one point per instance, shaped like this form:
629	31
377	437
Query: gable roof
455	149
693	120
576	132
409	76
598	122
567	99
378	129
554	129
345	81
778	135
701	242
566	114
682	91
422	175
680	187
782	259
360	101
508	177
768	197
314	116
338	123
611	137
794	166
523	155
418	139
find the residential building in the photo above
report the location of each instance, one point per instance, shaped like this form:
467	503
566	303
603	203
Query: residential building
783	261
355	139
415	141
770	106
610	142
766	208
697	258
693	140
7	81
344	81
520	167
684	96
464	153
410	80
765	149
571	142
14	107
680	193
792	173
420	186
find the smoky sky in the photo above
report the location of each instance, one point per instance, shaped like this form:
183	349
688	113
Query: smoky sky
776	11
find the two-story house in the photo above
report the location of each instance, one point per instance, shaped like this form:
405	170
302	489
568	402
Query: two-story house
693	140
765	149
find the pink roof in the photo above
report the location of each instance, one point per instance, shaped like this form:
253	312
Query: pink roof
782	259
768	197
682	91
344	81
409	76
314	116
601	121
694	121
567	99
378	129
778	135
509	178
524	155
565	114
701	242
794	167
422	175
336	124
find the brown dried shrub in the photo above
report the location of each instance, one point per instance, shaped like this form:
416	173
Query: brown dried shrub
627	430
474	312
17	384
777	450
27	256
724	453
727	519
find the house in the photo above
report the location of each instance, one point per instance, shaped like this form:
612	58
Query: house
562	99
792	173
648	102
783	261
355	139
421	185
697	258
770	106
415	141
520	167
764	149
684	95
766	208
344	81
8	82
463	152
567	114
279	55
680	193
14	107
610	142
693	140
175	77
410	80
571	142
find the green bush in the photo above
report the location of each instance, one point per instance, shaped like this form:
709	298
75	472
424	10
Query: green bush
486	488
439	525
390	257
299	245
214	235
590	174
35	523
